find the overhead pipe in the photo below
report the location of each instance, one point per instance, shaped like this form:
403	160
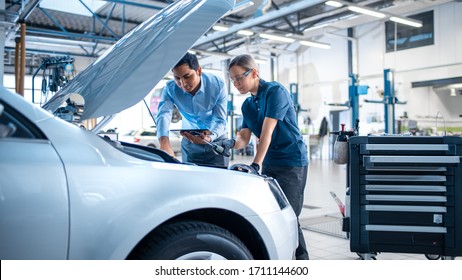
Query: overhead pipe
54	53
65	42
70	35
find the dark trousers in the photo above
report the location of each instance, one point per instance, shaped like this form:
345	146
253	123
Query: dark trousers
203	154
292	181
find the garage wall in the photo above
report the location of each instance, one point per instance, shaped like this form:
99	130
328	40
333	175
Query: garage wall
323	74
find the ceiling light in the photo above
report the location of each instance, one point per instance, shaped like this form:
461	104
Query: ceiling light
209	53
277	38
371	12
365	11
219	27
245	32
407	21
315	44
309	43
334	4
260	61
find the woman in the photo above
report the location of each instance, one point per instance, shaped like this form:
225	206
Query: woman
269	113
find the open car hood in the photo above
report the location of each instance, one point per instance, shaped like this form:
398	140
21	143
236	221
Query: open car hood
131	68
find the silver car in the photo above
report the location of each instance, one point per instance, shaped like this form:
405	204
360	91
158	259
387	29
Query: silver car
67	193
148	137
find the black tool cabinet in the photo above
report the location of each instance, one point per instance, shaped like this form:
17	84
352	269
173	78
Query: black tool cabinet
405	194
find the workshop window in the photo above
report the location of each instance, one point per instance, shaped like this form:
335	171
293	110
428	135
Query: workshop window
408	37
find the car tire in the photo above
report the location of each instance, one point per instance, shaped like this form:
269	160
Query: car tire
191	240
432	257
152	145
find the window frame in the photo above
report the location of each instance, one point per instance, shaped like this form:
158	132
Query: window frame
408	36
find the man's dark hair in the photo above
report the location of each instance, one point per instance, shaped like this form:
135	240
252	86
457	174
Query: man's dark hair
189	59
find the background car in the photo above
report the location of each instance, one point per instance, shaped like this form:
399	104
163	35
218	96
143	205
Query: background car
127	136
148	137
67	193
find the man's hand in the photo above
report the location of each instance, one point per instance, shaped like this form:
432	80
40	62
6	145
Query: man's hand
227	145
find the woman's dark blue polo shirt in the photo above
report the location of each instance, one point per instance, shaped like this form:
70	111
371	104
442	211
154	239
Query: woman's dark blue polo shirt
273	100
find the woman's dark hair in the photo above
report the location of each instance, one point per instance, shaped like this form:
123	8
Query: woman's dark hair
189	59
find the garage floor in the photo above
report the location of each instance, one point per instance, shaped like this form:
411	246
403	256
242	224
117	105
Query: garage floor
321	218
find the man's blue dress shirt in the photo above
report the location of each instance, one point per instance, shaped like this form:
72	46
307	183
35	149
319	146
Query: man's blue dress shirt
207	109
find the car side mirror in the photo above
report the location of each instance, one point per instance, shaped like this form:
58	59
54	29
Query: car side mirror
6	130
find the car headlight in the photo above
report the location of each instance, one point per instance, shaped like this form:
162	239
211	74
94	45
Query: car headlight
277	192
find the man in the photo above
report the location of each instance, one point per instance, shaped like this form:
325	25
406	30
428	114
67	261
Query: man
202	101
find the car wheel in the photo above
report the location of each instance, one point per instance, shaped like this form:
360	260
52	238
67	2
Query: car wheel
432	257
191	241
151	145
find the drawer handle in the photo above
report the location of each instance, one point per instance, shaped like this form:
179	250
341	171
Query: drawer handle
406	188
406	228
407	147
371	160
421	198
408	178
406	208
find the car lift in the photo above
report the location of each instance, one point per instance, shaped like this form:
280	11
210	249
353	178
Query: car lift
389	101
354	90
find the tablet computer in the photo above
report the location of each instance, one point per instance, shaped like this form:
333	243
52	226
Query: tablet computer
193	131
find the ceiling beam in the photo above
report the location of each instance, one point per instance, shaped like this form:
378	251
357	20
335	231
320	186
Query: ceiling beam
439	82
27	9
141	5
293	8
